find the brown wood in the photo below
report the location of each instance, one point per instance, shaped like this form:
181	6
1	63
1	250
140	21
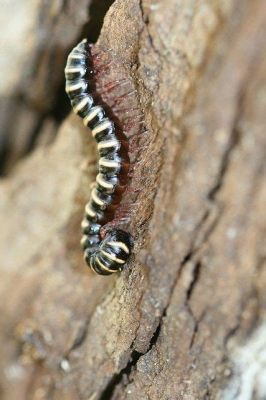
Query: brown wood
178	321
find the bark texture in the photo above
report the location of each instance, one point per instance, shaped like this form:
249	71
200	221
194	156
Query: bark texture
187	315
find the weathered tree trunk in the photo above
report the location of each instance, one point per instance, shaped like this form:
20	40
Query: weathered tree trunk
186	318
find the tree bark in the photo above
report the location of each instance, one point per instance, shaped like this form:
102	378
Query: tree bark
186	318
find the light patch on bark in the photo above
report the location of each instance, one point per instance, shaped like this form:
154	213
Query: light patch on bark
18	18
249	369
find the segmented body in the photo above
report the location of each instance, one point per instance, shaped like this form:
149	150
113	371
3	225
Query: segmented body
109	254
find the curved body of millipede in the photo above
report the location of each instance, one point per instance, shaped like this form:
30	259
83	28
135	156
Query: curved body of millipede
107	254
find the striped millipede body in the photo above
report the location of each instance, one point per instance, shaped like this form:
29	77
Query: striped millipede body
107	254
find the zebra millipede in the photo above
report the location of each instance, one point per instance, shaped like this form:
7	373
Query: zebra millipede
109	254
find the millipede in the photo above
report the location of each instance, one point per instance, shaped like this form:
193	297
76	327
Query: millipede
106	248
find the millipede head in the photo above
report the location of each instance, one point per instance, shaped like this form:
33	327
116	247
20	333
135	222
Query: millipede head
112	254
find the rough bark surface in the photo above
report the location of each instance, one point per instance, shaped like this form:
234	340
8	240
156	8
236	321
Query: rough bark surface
185	317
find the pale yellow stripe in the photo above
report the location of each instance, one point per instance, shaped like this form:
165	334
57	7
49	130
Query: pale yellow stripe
91	266
103	266
122	246
73	70
96	199
89	211
81	105
74	86
101	127
103	183
85	224
108	163
83	240
76	56
91	115
93	270
112	257
107	143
